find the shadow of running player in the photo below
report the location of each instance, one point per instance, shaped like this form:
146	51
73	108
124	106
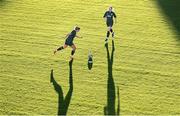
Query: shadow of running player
109	109
63	103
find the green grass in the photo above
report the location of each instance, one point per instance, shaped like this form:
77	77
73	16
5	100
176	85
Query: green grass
146	58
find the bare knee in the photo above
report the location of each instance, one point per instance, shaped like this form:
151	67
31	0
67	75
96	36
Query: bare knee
74	48
65	46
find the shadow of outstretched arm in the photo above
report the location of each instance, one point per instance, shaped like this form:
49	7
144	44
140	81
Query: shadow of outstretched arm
59	91
63	104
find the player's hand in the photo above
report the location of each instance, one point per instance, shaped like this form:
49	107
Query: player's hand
79	36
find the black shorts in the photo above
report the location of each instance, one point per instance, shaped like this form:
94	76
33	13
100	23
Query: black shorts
69	43
109	23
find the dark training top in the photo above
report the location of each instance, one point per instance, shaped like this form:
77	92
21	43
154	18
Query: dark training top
109	15
71	36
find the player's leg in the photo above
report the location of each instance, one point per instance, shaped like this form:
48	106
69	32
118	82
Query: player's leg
108	30
60	48
111	29
108	33
73	49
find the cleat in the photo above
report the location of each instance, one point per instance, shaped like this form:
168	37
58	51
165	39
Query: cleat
55	52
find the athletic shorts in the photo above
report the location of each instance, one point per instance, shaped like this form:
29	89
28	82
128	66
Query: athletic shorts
69	43
109	23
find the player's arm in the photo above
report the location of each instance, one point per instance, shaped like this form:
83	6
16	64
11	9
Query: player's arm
79	36
105	18
67	35
115	17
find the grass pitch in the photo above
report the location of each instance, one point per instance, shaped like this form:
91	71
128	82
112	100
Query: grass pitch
145	68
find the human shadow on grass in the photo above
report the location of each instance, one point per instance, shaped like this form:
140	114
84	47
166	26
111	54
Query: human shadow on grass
171	9
63	103
109	109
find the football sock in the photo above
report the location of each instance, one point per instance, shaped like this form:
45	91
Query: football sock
108	33
72	52
60	48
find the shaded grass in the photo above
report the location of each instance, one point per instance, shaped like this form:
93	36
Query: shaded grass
171	9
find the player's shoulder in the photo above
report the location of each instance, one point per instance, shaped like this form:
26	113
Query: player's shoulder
73	31
107	11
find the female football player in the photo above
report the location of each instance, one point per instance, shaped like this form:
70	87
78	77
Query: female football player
108	16
69	41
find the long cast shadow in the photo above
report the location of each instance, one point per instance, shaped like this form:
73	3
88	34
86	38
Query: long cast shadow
171	8
63	103
109	109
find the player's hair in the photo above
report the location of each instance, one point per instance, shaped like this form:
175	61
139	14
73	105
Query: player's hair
110	7
77	28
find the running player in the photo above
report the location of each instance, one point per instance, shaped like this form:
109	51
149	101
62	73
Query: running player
108	16
69	41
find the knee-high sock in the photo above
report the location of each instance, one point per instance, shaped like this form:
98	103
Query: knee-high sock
72	52
108	33
60	48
